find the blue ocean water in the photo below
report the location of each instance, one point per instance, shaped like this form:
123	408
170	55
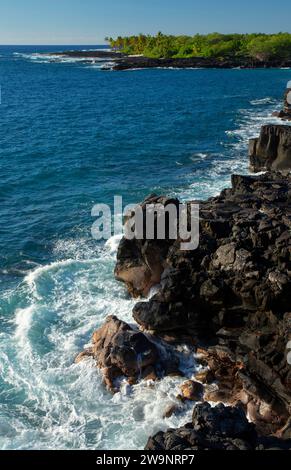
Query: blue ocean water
73	135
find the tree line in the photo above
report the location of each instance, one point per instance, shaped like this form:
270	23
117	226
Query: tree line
257	46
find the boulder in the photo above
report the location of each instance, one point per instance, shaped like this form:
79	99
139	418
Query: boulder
119	350
272	150
170	410
191	390
205	376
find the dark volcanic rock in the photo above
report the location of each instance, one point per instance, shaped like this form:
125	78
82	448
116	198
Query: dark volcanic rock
121	351
140	263
272	150
195	62
234	292
218	428
125	62
284	115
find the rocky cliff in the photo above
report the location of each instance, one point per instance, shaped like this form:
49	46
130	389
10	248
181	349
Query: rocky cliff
272	149
219	428
229	299
232	296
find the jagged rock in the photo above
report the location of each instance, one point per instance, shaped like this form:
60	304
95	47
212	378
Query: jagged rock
130	62
215	428
224	256
223	421
82	356
120	350
191	390
205	376
287	99
140	262
234	292
285	116
170	410
272	150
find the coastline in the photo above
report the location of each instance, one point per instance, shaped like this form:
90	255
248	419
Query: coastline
122	61
67	300
227	300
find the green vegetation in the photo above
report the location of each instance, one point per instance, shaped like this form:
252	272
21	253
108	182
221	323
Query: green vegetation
255	46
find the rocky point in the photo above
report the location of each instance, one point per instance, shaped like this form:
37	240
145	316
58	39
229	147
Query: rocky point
229	299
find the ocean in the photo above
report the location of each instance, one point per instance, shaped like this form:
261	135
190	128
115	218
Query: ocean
73	135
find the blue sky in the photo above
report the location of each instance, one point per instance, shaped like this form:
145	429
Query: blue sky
89	21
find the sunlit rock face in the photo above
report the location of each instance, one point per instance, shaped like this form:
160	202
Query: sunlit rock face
119	350
124	352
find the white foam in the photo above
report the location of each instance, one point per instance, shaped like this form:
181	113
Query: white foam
112	243
23	321
64	405
267	100
63	59
199	156
204	183
71	408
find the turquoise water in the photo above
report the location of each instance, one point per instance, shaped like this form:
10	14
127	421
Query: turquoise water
73	135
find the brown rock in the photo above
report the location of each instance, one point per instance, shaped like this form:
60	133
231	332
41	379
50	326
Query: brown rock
120	350
149	373
82	356
205	376
192	390
170	410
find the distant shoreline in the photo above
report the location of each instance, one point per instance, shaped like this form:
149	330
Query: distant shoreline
121	61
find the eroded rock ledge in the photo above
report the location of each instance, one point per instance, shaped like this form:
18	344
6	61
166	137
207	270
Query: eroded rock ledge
140	263
122	351
230	299
233	295
272	150
219	428
121	61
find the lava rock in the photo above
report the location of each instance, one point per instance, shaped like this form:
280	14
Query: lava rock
119	350
272	150
191	390
234	293
215	428
140	262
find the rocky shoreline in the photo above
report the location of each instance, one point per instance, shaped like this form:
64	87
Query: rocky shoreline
229	300
127	63
120	61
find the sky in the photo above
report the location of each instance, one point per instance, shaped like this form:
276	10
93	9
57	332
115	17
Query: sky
90	21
